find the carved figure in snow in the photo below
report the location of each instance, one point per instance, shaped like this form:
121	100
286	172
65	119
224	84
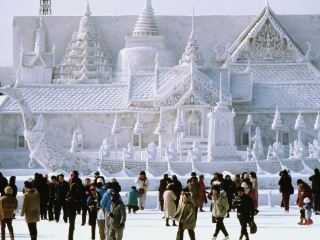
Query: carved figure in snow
104	152
291	151
311	150
77	142
195	154
270	153
128	152
257	149
172	152
278	150
248	153
152	151
316	147
298	149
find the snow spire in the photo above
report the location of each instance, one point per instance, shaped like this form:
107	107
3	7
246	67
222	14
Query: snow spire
277	122
138	127
317	124
115	127
220	89
192	50
161	128
40	40
146	24
179	124
299	122
88	11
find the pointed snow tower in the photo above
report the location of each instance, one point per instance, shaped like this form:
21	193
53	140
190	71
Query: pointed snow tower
86	59
221	138
144	45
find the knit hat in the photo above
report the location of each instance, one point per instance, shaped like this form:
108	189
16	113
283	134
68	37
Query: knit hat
8	190
306	200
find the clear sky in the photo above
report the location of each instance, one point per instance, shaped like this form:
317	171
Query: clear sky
10	8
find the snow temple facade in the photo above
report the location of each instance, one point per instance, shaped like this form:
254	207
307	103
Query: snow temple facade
91	75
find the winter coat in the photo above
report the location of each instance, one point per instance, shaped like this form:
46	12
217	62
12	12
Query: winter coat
162	188
3	184
117	215
186	215
285	184
142	185
229	187
177	187
244	205
74	197
203	195
220	205
62	189
14	188
31	206
8	204
169	203
315	180
307	193
132	197
105	202
116	186
195	193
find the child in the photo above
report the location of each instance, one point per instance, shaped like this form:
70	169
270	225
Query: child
93	206
308	210
132	199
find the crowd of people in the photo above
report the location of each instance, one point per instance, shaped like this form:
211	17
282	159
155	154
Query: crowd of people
99	202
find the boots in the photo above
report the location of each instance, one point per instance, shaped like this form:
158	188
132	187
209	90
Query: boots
174	223
309	221
167	222
302	221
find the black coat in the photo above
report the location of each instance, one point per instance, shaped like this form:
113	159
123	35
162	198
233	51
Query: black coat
315	180
244	205
177	187
62	189
3	184
285	184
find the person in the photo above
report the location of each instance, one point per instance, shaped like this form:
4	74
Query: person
62	189
177	187
315	186
286	189
12	184
3	184
229	187
169	204
193	186
97	176
142	184
93	203
8	204
73	204
237	180
304	190
308	209
84	203
52	197
245	211
203	193
117	217
220	207
100	186
115	185
162	188
132	199
186	216
31	208
106	203
255	191
40	183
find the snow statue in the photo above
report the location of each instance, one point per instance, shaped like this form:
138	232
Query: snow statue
77	142
298	144
270	153
195	154
298	149
128	152
248	154
172	152
316	148
104	152
311	150
257	148
291	151
152	151
278	150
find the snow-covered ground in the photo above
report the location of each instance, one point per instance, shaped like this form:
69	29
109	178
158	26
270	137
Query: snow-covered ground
272	223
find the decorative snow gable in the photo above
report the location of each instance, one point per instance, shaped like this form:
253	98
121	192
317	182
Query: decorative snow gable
36	67
86	59
265	41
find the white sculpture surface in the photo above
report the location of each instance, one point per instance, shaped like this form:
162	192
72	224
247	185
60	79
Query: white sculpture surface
77	142
104	152
172	152
152	151
257	148
128	152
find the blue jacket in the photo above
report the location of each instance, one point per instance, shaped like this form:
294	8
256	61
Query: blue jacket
106	201
132	197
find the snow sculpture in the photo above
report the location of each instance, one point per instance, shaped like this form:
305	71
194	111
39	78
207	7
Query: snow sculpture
277	147
172	152
270	153
249	123
311	150
152	151
196	152
298	146
291	151
257	149
316	125
104	153
77	142
128	152
316	148
278	150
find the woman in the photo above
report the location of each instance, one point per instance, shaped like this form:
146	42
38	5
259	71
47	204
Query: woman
132	199
286	189
142	184
203	195
93	204
220	208
8	204
194	188
169	199
31	208
254	189
304	191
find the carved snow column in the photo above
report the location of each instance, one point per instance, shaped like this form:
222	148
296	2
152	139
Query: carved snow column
179	128
299	125
221	139
277	124
40	40
161	129
249	123
115	131
316	125
139	130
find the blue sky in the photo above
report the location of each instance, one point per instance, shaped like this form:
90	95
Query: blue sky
10	8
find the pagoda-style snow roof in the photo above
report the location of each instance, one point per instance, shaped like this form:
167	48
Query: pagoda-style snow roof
141	86
30	59
71	99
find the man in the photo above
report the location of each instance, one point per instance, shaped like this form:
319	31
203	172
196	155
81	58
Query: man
162	188
177	187
31	208
52	196
245	211
97	176
117	217
3	183
315	186
62	189
106	203
186	216
194	188
86	186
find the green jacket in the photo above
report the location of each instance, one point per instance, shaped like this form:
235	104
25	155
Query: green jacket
118	212
186	215
220	205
